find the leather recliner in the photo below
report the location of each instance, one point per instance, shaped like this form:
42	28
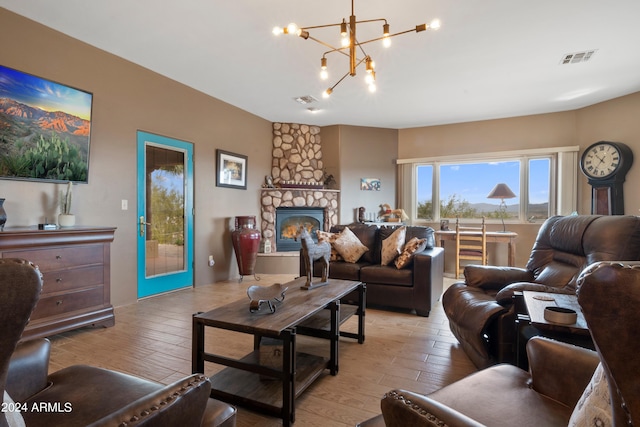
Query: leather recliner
480	310
84	395
555	388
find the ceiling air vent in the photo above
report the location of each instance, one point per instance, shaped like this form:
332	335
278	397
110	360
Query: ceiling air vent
306	99
574	58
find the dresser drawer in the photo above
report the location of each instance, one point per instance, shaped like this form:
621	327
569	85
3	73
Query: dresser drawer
71	301
60	257
80	277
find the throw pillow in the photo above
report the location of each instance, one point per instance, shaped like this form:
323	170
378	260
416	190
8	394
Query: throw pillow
594	406
349	246
392	245
11	414
325	236
413	246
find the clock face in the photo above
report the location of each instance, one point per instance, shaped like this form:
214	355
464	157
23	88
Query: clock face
601	161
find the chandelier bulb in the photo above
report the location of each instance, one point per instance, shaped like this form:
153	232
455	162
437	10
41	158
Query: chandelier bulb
327	93
292	29
386	41
372	87
278	30
435	24
370	78
324	75
345	42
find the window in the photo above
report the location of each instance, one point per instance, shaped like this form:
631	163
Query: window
446	188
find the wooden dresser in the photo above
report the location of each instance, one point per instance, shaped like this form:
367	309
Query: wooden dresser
75	264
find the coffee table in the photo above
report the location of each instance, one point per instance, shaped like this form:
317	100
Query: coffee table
263	386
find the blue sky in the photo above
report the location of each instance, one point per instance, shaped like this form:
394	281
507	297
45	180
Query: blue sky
474	181
44	94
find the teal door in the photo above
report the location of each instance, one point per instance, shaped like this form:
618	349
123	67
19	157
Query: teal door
165	214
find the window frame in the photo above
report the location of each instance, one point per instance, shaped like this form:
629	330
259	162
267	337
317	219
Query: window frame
563	175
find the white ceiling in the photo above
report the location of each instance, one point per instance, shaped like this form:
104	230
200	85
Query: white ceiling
491	59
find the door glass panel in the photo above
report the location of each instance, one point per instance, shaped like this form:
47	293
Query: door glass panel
165	197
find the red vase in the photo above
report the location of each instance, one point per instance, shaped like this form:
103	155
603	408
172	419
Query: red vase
246	242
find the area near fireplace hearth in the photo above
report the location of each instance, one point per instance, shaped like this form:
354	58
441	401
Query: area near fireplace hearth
296	162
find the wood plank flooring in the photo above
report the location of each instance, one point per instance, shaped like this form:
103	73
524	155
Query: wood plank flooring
152	339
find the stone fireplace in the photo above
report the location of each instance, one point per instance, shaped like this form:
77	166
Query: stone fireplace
289	221
296	161
272	199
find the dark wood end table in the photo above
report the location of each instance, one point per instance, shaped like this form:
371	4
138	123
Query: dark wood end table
530	321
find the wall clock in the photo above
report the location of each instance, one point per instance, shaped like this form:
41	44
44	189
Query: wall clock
605	164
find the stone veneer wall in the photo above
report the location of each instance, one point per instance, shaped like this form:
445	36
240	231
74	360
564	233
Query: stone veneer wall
297	157
297	154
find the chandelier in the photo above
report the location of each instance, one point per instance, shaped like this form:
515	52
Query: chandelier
350	45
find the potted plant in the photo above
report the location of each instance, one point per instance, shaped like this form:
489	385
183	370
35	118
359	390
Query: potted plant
66	218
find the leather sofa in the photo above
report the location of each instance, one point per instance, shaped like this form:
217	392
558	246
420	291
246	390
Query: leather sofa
84	395
560	387
480	310
417	287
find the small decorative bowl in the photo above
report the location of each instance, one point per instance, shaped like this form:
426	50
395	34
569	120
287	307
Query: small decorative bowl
562	315
265	294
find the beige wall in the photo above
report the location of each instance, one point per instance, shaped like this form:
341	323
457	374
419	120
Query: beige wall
128	98
364	152
615	120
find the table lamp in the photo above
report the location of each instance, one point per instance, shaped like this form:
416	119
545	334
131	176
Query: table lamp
502	191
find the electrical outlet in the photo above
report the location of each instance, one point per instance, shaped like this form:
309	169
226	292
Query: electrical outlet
125	204
211	261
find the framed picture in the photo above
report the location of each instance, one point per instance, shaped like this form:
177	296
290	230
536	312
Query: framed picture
44	129
369	184
231	170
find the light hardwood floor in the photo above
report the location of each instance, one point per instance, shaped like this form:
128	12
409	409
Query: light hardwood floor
152	339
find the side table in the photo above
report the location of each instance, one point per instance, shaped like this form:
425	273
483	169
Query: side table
530	322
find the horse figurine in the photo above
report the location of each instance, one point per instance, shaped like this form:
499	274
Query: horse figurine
311	252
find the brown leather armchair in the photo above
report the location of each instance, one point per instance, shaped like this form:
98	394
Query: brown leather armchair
480	310
559	373
84	395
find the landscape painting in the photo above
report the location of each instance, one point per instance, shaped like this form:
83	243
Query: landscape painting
44	129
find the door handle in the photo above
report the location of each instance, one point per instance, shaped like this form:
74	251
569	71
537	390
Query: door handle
142	225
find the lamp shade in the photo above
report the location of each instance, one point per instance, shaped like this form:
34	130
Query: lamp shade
501	191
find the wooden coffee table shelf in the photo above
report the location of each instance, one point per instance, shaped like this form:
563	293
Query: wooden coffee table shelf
234	384
320	324
273	389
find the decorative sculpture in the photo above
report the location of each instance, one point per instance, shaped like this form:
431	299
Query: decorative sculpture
392	215
311	252
265	294
361	214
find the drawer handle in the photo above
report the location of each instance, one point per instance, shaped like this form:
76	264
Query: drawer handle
59	302
58	257
58	280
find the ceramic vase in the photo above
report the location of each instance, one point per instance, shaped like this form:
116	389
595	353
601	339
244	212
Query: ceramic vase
3	215
66	220
246	242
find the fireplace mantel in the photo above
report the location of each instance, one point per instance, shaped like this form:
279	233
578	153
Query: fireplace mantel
272	198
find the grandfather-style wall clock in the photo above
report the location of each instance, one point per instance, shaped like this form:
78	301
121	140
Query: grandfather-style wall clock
605	165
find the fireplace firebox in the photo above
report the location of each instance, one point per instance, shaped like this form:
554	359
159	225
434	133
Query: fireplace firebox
290	219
